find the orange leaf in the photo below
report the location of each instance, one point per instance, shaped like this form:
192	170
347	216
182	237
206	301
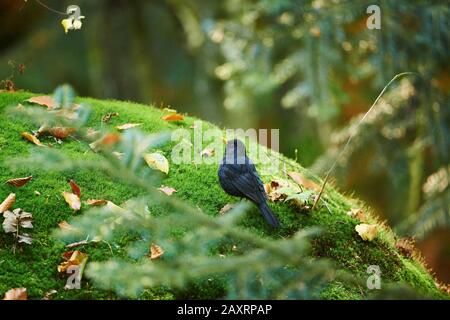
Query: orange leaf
128	126
16	294
46	101
73	200
61	132
167	190
96	202
302	181
75	188
73	258
8	202
19	182
32	138
173	117
156	251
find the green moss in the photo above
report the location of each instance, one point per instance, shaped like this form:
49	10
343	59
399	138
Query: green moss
35	266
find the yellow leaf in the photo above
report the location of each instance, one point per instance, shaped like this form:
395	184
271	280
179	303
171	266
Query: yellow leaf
73	200
128	126
173	117
32	138
16	294
8	202
157	161
367	232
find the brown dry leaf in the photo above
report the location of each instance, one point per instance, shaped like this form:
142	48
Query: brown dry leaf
64	225
271	190
157	161
73	200
358	214
72	258
208	152
167	190
367	232
46	101
109	116
128	126
156	251
8	202
75	188
61	132
96	202
302	181
405	246
173	117
32	139
226	208
16	294
19	182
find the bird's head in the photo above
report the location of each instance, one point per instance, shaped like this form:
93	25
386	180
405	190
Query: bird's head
235	148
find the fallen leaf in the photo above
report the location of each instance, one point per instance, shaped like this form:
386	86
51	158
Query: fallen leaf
167	190
367	232
92	133
73	200
109	116
302	181
358	214
173	117
105	141
46	101
19	182
128	126
16	294
73	258
64	225
208	152
32	139
157	161
96	202
8	202
25	238
156	251
48	294
60	132
75	188
271	189
226	208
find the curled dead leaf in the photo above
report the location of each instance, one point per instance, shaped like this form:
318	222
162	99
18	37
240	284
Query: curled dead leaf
167	190
19	182
367	232
156	251
75	188
96	202
16	294
157	161
8	202
73	200
128	126
173	117
32	139
73	259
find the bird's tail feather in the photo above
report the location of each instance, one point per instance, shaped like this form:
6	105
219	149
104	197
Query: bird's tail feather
268	215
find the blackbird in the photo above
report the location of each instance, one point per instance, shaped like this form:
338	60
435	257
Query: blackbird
238	177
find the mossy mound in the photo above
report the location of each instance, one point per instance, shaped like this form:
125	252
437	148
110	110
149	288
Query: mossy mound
35	266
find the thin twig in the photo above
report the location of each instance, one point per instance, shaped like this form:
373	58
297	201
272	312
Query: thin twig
354	132
51	9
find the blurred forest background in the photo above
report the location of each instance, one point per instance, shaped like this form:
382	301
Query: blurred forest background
310	68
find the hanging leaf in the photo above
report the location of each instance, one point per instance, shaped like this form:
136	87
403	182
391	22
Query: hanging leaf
156	251
367	232
16	294
32	139
8	202
128	126
73	200
75	188
96	202
157	161
167	190
173	117
19	182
